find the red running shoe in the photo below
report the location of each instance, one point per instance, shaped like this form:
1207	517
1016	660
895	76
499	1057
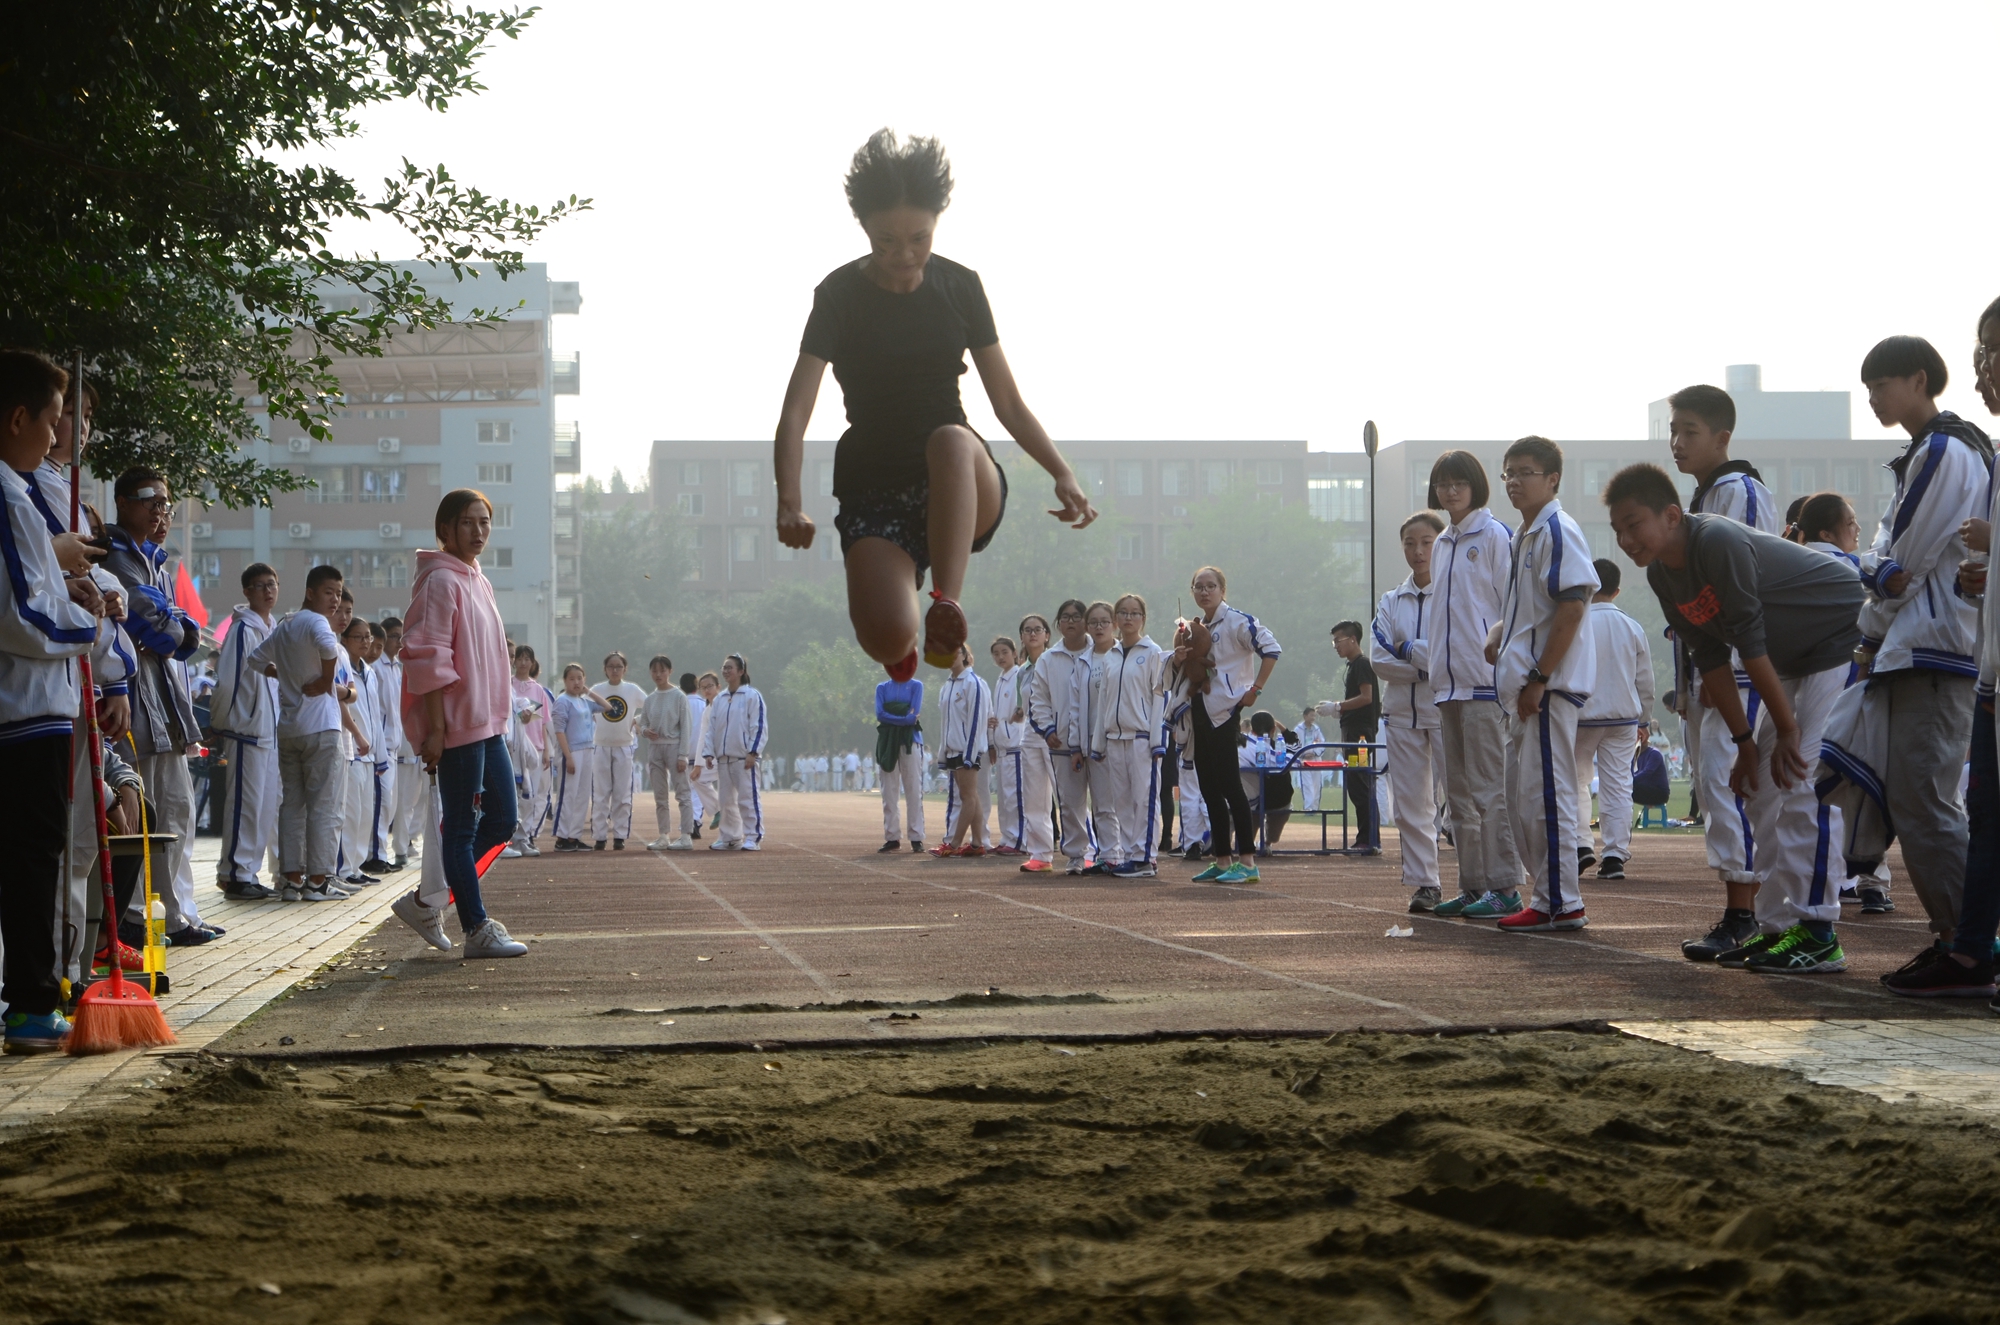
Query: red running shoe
904	670
944	851
972	849
944	631
1032	866
1004	850
129	958
1528	920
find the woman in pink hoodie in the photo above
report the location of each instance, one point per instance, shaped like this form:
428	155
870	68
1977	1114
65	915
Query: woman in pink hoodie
456	695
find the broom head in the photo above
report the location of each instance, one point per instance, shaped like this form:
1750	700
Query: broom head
116	1014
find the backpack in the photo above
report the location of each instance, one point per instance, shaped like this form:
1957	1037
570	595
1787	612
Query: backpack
1649	777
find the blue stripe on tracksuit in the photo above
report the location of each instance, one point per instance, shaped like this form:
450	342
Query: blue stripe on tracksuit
1749	838
1817	897
1555	862
1020	803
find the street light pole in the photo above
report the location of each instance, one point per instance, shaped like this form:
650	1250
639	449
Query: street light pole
1370	439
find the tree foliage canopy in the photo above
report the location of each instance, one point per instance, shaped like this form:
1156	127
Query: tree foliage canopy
150	223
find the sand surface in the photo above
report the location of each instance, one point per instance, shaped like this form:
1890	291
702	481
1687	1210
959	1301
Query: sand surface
1371	1177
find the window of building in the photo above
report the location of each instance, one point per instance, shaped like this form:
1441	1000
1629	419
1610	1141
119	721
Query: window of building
1337	500
565	607
565	526
743	544
503	515
1805	478
1270	471
495	432
367	570
743	478
1850	480
496	474
1131	478
334	484
1131	547
1090	473
690	473
1214	476
207	566
1596	473
1603	543
690	504
498	558
1174	479
825	478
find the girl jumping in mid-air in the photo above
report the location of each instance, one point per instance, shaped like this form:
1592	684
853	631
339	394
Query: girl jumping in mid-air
918	488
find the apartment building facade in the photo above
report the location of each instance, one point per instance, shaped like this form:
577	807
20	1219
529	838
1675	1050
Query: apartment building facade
463	406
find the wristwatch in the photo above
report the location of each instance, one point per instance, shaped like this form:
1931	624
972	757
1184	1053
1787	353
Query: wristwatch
1744	738
1536	677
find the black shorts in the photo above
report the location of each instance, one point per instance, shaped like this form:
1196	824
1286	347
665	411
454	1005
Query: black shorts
902	516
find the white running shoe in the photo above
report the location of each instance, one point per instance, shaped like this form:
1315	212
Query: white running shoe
492	940
530	849
659	844
322	892
510	852
753	844
720	845
291	892
681	843
428	921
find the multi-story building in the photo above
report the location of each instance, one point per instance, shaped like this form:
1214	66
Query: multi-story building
465	406
723	492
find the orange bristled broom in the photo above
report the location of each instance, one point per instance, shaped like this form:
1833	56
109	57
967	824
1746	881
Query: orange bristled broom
111	1015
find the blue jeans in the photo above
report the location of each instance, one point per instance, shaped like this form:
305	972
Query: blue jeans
1979	916
483	772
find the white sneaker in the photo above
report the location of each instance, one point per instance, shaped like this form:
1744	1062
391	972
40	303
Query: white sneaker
720	845
322	892
426	920
530	849
356	882
660	844
752	844
492	940
291	892
510	852
681	843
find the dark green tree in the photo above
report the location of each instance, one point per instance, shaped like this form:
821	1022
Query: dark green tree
149	223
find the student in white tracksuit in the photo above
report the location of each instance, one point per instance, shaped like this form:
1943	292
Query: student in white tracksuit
964	703
1030	778
1469	577
389	704
533	752
1006	729
1545	669
736	731
899	753
1128	736
707	793
617	737
244	713
1399	652
1103	631
412	786
357	832
1703	419
1618	713
1057	694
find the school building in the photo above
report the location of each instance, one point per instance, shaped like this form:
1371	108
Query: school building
723	494
465	406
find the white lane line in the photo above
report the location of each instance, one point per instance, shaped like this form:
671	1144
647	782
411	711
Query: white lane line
598	935
1266	972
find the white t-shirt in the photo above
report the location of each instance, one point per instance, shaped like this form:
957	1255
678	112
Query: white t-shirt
297	646
619	723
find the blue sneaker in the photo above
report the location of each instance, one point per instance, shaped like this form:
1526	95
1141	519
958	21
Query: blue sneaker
30	1034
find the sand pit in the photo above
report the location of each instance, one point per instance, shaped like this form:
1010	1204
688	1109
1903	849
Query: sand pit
1532	1177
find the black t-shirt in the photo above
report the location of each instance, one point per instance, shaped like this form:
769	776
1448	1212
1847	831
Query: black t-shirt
898	358
1359	724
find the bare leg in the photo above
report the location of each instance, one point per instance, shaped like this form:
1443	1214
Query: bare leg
965	501
882	599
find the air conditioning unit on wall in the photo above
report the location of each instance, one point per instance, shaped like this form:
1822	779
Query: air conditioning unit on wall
299	445
390	529
203	529
389	445
299	529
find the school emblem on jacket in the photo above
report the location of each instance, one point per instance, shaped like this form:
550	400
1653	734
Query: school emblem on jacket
615	708
1472	554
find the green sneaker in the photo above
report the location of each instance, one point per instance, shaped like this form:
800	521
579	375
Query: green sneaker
1209	875
1456	906
1246	874
1493	905
1797	952
1236	874
1753	945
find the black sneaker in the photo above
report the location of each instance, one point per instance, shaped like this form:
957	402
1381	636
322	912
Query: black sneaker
917	845
617	844
1935	973
1849	893
1612	868
1195	851
1585	858
378	865
695	836
598	847
246	892
1875	902
1911	969
1729	934
891	845
1739	958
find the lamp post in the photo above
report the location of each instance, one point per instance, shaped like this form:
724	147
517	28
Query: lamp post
1370	439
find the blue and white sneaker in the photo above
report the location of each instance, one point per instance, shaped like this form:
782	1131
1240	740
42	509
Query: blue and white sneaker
30	1034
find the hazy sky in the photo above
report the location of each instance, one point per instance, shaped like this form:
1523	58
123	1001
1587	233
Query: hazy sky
1255	221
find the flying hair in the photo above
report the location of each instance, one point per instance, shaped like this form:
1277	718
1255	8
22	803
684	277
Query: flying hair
888	172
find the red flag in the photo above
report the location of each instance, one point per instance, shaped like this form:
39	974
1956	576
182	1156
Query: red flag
222	631
185	597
